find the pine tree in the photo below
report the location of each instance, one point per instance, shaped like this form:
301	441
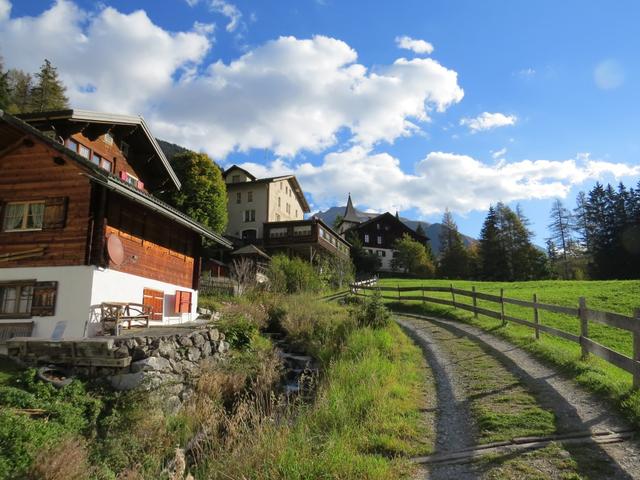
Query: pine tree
454	259
5	93
420	230
560	227
490	250
48	93
20	86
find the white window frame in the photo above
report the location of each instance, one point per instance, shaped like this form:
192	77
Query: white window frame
19	286
366	238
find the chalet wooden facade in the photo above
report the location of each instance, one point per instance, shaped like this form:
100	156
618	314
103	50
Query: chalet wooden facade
379	234
80	225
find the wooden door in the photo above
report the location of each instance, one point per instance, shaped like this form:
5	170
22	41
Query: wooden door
155	300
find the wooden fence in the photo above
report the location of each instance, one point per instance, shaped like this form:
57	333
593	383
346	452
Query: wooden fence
582	313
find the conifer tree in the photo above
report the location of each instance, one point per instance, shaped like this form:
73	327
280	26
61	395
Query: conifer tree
5	93
490	249
20	86
48	93
454	259
420	230
560	228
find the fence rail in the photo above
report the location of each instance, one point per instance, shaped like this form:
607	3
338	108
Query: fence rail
583	314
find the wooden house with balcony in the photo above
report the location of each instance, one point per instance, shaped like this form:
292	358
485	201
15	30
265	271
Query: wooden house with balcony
80	225
269	213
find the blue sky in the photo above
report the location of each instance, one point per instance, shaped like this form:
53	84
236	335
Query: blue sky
511	100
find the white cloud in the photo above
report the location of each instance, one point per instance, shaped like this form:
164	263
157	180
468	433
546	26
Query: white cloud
499	153
526	72
488	121
415	45
292	94
440	180
127	60
608	75
287	95
229	10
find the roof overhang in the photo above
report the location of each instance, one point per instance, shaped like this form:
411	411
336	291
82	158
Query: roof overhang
98	123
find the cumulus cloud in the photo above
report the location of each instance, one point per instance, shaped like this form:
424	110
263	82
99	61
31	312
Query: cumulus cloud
608	75
415	45
376	180
499	153
229	10
287	95
488	121
126	60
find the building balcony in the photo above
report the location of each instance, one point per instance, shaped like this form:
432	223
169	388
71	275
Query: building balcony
304	237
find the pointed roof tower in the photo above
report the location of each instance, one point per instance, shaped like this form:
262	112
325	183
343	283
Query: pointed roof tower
350	214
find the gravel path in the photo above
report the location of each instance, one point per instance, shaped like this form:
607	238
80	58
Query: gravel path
576	409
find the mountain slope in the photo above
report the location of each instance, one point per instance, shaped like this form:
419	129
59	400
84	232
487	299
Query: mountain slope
433	230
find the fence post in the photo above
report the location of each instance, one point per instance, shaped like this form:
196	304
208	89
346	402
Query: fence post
453	296
584	326
423	294
504	323
399	293
636	350
475	301
536	315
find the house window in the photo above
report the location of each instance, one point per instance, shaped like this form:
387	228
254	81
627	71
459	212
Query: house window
278	232
84	151
249	215
23	216
15	299
277	217
288	208
235	178
279	202
108	139
238	197
72	145
366	238
131	180
106	165
378	226
296	213
249	196
379	239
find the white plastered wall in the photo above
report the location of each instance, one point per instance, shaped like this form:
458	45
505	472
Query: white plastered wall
81	289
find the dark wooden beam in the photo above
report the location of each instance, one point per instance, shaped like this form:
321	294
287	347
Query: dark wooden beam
13	146
96	130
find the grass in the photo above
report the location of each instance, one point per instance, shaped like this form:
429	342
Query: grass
596	374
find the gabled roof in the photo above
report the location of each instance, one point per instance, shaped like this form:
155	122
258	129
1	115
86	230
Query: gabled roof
386	216
293	181
133	128
98	175
251	250
235	167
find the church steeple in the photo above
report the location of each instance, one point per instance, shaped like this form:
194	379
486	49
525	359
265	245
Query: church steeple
350	214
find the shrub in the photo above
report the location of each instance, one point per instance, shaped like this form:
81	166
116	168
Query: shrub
292	275
62	460
372	312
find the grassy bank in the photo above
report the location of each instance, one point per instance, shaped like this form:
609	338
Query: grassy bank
366	418
597	375
363	420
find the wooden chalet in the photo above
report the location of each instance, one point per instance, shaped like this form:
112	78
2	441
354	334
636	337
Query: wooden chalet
80	225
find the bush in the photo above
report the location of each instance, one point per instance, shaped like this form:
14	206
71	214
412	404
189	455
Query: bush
292	275
372	312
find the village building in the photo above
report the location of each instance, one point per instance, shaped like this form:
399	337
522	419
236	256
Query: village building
378	233
80	226
269	214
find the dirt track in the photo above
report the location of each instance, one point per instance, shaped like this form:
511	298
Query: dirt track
578	414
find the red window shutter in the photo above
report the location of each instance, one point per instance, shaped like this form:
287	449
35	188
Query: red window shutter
123	175
183	302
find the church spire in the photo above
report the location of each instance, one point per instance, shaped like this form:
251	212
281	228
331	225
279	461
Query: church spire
350	214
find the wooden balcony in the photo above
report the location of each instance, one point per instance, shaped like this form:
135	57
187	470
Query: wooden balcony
304	237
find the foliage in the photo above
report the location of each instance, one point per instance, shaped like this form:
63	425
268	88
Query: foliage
48	93
454	261
608	222
506	251
292	275
373	313
336	272
364	261
413	257
70	412
420	230
19	93
203	195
